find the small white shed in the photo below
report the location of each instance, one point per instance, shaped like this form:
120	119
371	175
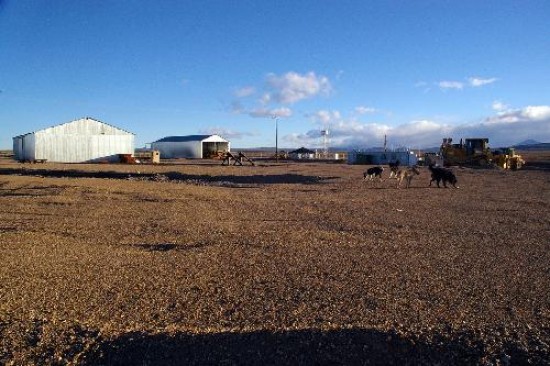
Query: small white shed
405	157
82	140
192	146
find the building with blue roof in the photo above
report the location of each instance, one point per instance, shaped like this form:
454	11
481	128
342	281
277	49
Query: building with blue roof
191	146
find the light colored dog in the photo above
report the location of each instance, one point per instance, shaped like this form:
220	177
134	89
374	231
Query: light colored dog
406	175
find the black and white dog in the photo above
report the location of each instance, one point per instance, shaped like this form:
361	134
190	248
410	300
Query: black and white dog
374	172
444	175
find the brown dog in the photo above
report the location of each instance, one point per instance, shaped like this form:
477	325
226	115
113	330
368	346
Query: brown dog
406	175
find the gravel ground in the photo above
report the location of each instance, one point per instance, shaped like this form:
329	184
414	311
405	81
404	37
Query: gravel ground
195	263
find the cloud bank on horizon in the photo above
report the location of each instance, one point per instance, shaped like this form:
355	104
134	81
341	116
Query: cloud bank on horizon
504	128
358	128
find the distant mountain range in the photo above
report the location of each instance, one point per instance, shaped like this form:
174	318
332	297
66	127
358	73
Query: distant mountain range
532	145
528	142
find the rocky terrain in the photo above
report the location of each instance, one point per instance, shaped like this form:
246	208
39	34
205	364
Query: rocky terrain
289	263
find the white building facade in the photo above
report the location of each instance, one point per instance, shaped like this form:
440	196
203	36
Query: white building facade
405	157
79	141
192	146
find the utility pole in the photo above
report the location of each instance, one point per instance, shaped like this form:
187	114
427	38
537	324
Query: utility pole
276	138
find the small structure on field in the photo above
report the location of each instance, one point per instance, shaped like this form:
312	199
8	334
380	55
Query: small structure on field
302	153
78	141
147	156
192	146
405	157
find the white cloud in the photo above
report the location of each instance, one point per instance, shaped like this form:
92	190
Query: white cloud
275	112
474	82
527	114
499	106
503	129
324	117
226	133
511	127
364	110
352	133
423	85
477	82
280	91
293	87
422	126
244	92
418	133
265	99
451	85
537	113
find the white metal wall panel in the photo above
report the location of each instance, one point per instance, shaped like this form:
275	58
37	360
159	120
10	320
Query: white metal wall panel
27	147
78	141
82	148
186	149
173	150
18	147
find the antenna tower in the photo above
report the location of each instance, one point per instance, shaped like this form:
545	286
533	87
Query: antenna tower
325	141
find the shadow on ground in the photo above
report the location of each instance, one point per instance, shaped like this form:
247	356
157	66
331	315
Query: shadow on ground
166	247
339	347
537	165
234	181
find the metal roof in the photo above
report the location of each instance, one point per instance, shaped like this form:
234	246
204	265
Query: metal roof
184	138
93	119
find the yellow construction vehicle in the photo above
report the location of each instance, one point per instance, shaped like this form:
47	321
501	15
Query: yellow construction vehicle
476	152
506	158
472	152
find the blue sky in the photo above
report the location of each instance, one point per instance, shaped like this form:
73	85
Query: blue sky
416	71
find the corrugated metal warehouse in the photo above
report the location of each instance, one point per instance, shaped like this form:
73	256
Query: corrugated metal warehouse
82	140
192	146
